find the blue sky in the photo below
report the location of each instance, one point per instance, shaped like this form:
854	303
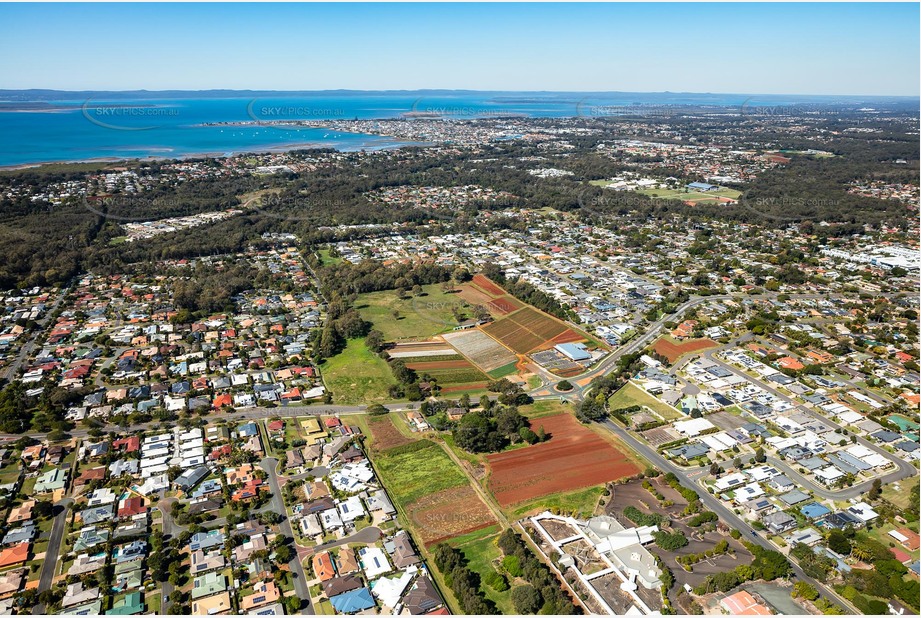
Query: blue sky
736	48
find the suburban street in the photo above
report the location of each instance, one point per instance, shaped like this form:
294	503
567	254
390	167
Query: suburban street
25	352
54	547
903	468
278	505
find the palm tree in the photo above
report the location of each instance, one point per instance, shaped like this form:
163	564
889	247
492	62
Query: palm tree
861	553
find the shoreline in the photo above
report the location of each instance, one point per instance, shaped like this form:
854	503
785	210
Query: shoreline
211	155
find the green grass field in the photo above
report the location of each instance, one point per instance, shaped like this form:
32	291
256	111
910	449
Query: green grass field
900	497
410	476
326	259
482	555
544	407
457	376
632	395
432	359
357	375
581	502
503	371
416	317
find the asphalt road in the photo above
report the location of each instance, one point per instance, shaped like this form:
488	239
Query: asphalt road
278	505
54	547
365	536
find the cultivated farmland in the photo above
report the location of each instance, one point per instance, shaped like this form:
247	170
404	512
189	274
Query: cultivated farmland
528	329
575	457
484	351
432	491
487	286
385	434
449	513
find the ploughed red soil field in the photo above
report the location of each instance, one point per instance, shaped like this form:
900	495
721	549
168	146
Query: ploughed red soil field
672	351
487	286
575	457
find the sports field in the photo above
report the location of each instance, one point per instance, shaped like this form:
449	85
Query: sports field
692	196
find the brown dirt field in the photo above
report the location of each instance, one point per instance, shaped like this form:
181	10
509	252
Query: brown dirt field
449	364
487	286
567	336
574	458
504	305
474	296
672	351
420	346
385	435
449	513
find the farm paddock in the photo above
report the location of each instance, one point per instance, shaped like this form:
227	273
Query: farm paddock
573	458
448	514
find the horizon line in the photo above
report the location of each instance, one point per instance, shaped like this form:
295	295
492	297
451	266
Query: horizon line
451	90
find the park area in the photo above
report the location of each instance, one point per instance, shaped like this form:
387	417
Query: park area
357	375
673	350
574	458
432	491
414	317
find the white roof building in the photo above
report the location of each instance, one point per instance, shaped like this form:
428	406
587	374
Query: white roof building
373	561
351	509
863	511
389	590
692	427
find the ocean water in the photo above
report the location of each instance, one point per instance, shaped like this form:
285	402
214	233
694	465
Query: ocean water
116	127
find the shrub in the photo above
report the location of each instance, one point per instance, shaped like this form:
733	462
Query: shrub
496	581
670	542
643	519
702	518
512	565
